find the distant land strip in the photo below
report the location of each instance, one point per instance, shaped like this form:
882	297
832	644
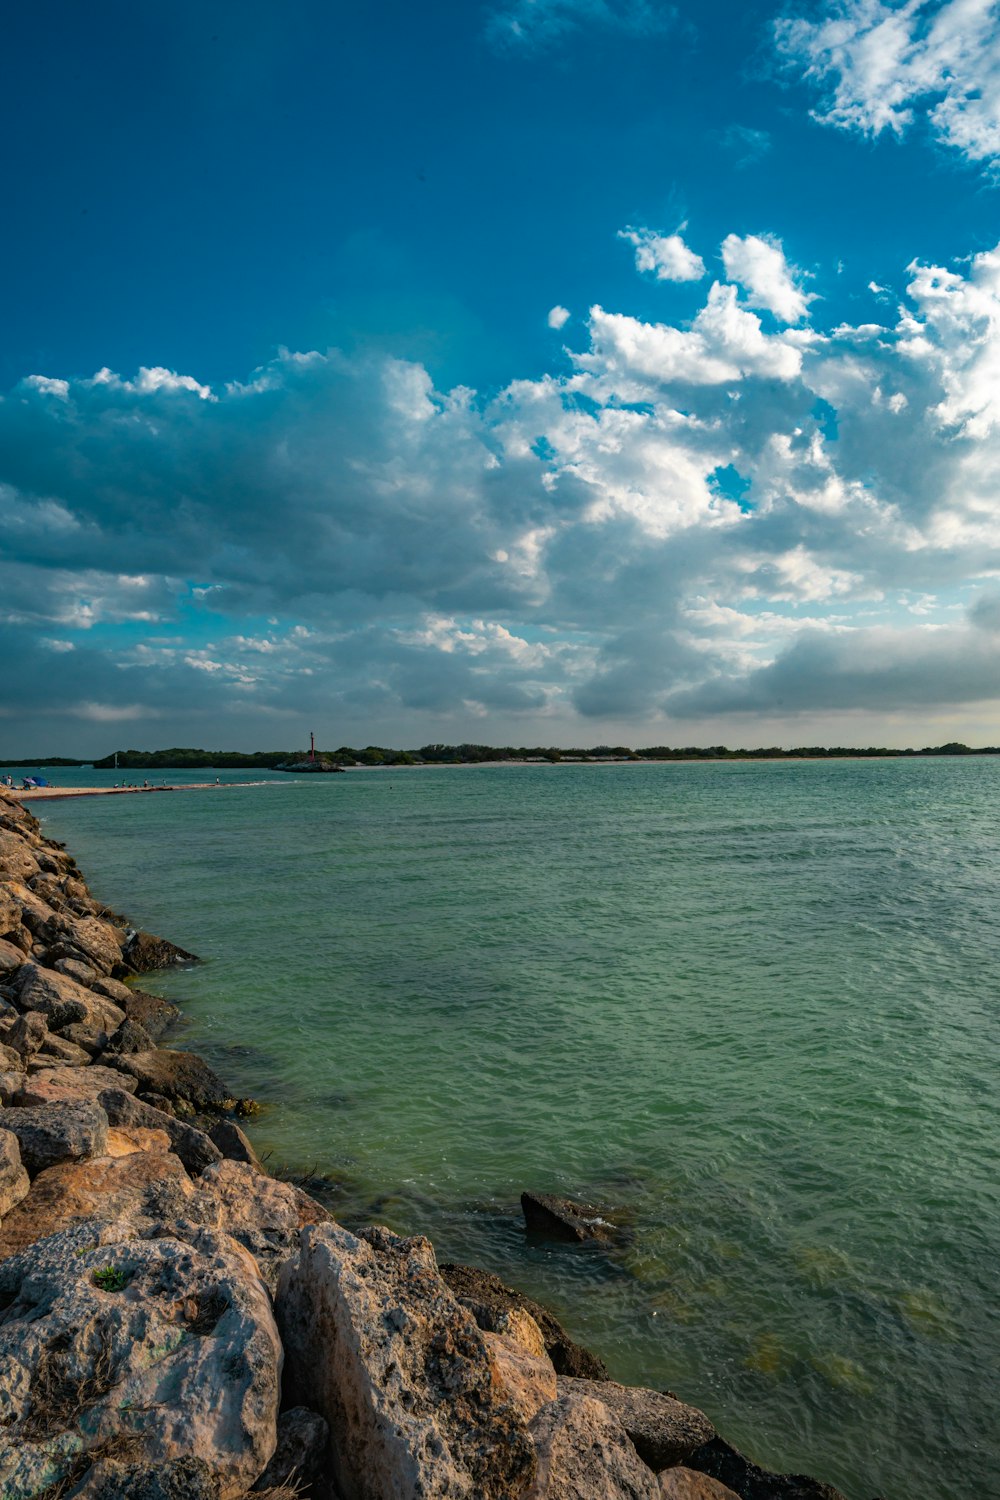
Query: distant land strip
178	759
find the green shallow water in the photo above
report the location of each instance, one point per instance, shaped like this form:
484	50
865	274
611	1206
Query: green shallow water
753	1005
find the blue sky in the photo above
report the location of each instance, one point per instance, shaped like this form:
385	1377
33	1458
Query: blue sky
530	370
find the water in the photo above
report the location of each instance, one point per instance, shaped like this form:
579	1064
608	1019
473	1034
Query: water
753	1005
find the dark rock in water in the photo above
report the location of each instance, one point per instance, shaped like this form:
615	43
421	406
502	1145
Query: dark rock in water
564	1219
50	1133
234	1145
130	1037
143	951
663	1429
750	1482
193	1147
300	1456
177	1075
151	1011
489	1300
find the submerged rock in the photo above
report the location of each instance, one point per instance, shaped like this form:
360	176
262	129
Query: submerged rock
491	1301
564	1218
399	1370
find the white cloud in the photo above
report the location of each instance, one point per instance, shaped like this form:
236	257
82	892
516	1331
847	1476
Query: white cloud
533	25
883	65
759	265
558	316
666	255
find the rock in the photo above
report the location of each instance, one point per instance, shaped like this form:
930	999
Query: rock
130	1037
584	1454
19	937
28	1033
57	1132
178	1075
73	968
11	958
14	1181
10	1087
84	939
184	1479
143	952
490	1300
62	1001
92	1039
664	1430
233	1144
749	1482
266	1216
398	1369
564	1219
168	1343
300	1456
192	1146
150	1011
10	1061
17	860
688	1484
57	1085
527	1377
125	1140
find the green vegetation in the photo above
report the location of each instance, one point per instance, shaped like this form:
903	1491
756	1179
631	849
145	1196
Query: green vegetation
111	1279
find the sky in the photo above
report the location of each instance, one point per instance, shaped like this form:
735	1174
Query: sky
517	371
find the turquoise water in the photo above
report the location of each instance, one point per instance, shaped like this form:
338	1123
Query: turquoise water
753	1005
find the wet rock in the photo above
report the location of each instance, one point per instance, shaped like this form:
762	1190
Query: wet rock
584	1454
564	1218
665	1431
398	1369
233	1144
62	1001
192	1146
14	1181
300	1456
688	1484
167	1343
130	1037
57	1132
59	1085
490	1300
143	952
732	1468
140	1190
177	1075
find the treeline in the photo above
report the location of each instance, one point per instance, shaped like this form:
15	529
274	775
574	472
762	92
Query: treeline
178	759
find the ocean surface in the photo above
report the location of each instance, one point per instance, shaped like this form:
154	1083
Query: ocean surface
755	1007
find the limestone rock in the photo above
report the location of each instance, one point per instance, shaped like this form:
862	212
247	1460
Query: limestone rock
17	861
688	1484
527	1378
85	940
664	1430
193	1147
92	1037
10	1087
57	1085
144	952
746	1479
490	1301
130	1037
14	1182
399	1370
73	968
117	1479
125	1140
62	1001
57	1132
165	1341
177	1075
265	1215
27	1034
150	1011
58	1052
10	1061
584	1454
300	1456
11	958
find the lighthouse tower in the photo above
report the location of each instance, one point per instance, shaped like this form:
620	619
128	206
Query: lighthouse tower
312	746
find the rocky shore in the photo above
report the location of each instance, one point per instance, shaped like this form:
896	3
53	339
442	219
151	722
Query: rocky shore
176	1324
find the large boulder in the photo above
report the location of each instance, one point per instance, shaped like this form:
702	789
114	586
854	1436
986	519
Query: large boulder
14	1181
85	940
664	1430
176	1075
265	1215
150	1011
59	1085
17	859
27	1033
584	1454
192	1146
165	1347
490	1301
62	1001
750	1482
525	1372
53	1133
376	1342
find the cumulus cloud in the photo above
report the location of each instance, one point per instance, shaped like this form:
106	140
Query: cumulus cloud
760	267
685	520
665	255
883	65
558	317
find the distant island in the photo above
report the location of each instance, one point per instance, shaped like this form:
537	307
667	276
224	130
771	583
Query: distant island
182	759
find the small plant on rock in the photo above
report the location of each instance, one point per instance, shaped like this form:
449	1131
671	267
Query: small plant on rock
111	1279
